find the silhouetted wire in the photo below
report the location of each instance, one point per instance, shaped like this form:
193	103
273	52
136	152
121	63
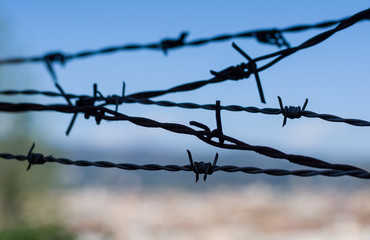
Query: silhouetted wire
270	36
206	135
190	105
37	158
238	72
234	72
85	104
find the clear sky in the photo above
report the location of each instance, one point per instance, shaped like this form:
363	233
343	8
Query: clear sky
333	75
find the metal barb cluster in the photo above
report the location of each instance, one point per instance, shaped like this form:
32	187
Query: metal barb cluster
291	112
274	37
202	167
34	158
171	43
252	68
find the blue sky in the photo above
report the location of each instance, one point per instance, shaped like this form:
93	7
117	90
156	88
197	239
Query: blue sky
334	75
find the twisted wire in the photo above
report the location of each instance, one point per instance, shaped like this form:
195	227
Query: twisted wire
175	168
238	72
235	73
243	70
167	44
100	113
190	105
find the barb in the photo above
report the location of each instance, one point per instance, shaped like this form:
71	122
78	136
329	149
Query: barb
171	43
291	112
198	42
81	102
252	68
274	37
188	168
63	93
113	99
190	105
50	59
34	158
202	167
218	133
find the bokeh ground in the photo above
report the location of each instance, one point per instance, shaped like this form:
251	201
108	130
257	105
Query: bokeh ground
258	211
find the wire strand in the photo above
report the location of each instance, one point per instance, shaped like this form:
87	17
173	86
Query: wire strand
159	46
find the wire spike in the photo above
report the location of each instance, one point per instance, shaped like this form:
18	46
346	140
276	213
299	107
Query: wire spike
252	68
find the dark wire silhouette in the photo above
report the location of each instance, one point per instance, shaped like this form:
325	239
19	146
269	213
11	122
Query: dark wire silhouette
290	112
268	36
196	167
86	104
205	134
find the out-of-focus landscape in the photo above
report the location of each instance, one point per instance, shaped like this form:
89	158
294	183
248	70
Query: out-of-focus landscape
58	202
258	211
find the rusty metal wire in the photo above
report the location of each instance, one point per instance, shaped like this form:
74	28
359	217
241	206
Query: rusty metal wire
205	134
268	36
117	100
196	167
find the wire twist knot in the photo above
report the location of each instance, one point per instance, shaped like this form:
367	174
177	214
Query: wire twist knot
274	37
291	111
252	69
55	57
99	116
172	43
112	99
34	158
205	168
218	133
234	72
84	101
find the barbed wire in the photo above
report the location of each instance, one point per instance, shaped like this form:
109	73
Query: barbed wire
238	72
85	104
288	112
205	134
269	36
196	167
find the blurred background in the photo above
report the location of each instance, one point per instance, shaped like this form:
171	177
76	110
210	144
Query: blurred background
66	202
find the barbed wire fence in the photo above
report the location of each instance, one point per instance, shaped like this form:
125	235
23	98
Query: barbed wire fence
97	105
